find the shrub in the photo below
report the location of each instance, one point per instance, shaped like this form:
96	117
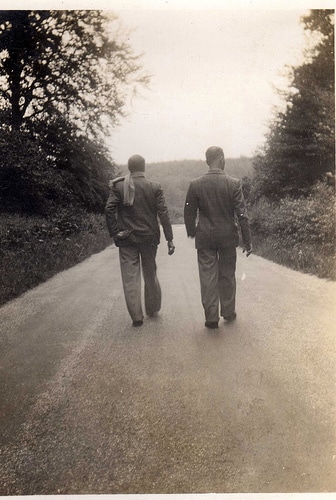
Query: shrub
33	249
38	177
29	183
297	232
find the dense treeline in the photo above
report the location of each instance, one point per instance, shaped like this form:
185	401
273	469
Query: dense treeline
291	194
300	146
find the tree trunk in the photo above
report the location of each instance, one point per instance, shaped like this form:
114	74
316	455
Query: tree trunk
16	64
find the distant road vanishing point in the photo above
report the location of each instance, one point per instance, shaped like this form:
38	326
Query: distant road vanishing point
91	405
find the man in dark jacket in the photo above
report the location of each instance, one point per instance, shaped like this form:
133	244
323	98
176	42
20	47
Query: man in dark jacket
132	211
217	201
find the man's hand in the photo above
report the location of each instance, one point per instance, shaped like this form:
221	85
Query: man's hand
171	248
248	250
122	235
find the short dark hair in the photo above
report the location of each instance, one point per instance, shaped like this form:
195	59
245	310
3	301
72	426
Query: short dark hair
213	153
136	163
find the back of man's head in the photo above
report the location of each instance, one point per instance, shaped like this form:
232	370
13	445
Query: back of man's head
213	155
136	163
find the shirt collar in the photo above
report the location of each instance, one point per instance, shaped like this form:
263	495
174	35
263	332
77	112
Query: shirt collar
215	171
137	174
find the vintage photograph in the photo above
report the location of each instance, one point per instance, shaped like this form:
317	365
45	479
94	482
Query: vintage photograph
167	249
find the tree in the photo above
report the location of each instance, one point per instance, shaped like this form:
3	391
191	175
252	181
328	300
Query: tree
85	165
69	63
64	80
300	146
29	181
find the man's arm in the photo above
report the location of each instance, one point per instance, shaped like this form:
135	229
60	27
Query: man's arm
163	215
111	211
240	210
190	212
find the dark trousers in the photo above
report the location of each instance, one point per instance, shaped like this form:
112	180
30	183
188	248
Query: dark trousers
132	259
217	270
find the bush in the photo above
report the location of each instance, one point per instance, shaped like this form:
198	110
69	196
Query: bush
297	232
29	182
38	177
33	249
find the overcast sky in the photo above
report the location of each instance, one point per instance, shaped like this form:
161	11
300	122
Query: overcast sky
213	71
213	76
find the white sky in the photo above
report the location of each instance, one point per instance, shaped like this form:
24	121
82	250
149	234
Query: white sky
213	71
213	76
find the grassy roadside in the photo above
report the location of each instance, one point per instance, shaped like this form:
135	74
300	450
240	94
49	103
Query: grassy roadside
298	233
33	249
307	258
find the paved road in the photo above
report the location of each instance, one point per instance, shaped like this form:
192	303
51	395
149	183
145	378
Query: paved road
90	404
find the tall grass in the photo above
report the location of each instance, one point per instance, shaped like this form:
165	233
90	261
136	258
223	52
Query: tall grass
33	249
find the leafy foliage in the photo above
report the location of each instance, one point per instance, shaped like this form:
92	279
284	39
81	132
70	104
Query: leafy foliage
299	233
300	146
291	195
65	76
66	63
74	171
85	163
29	181
33	249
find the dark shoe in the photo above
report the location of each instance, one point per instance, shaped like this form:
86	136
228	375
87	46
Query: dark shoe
230	318
211	324
138	323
